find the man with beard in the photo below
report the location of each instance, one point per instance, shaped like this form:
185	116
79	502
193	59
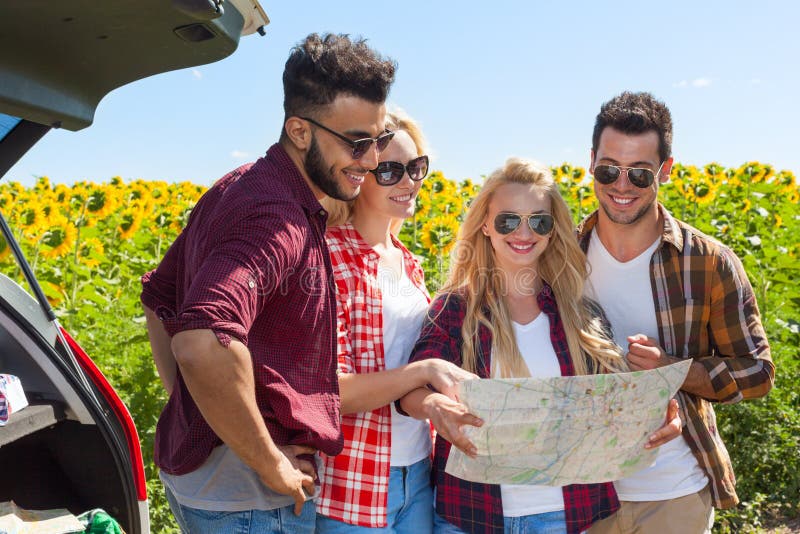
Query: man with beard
241	310
670	293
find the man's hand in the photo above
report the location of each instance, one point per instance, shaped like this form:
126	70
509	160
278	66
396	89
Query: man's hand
445	376
670	430
644	353
448	418
292	476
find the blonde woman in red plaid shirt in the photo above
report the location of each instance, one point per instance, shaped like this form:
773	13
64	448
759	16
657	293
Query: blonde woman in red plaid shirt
381	480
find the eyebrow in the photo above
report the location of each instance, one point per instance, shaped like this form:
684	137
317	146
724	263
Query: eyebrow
636	164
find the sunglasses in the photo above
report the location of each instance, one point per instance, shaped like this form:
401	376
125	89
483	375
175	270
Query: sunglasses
359	146
608	174
391	172
507	222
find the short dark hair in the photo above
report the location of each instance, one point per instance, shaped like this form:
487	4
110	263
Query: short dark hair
321	68
636	113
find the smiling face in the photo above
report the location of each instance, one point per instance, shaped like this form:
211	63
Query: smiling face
621	201
395	201
329	161
521	248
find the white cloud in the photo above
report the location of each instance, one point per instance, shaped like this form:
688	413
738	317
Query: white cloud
240	154
698	83
197	74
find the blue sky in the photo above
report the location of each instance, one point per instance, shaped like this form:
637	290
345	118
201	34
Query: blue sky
486	80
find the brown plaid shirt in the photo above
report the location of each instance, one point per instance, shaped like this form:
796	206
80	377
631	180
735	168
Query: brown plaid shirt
706	310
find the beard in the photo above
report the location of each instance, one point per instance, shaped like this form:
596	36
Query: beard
322	177
624	219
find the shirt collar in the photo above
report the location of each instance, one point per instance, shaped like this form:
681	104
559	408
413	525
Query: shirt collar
294	180
355	240
546	300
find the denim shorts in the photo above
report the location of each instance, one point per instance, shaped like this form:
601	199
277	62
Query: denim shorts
279	520
409	507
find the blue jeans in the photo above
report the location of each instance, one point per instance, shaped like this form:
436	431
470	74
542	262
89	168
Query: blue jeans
409	507
546	523
277	521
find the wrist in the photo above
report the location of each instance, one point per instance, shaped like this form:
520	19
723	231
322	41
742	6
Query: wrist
422	373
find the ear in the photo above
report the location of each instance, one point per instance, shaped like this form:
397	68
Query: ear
591	161
299	132
485	230
666	171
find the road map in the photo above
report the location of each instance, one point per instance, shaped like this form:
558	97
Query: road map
564	430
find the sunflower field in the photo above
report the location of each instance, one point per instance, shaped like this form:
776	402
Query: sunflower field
90	243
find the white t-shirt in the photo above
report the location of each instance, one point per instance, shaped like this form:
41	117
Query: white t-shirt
533	340
403	309
625	293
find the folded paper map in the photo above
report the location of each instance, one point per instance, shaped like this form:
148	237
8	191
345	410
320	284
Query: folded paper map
564	430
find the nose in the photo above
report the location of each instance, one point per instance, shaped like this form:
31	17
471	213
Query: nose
623	180
524	228
370	158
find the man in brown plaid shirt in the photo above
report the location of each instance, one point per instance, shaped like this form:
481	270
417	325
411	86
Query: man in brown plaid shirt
670	293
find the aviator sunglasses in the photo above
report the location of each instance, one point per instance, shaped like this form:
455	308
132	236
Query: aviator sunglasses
507	222
359	146
391	172
608	174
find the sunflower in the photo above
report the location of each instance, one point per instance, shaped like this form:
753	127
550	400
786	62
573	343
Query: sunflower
100	203
59	237
131	222
90	252
439	234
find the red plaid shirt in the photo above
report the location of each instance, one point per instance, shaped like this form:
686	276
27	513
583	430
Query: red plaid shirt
475	507
252	265
355	483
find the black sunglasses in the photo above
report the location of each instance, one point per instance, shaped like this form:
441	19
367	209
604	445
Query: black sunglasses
507	222
391	172
359	146
608	174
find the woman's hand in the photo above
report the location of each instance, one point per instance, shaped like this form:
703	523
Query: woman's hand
448	418
445	377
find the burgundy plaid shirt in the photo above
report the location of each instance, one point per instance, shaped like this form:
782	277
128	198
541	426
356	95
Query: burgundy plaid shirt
252	264
475	507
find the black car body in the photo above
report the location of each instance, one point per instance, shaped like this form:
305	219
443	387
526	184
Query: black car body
75	446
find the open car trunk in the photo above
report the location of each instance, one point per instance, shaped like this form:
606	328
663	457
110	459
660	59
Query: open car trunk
75	446
68	448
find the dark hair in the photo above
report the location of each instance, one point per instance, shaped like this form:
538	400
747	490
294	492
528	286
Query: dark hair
636	113
321	68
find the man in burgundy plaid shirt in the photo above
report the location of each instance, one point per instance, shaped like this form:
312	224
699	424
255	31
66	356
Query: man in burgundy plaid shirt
243	303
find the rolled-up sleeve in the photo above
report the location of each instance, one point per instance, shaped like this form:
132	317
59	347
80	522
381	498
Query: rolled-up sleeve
233	278
741	367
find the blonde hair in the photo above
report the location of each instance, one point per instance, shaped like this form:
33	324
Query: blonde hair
340	211
475	276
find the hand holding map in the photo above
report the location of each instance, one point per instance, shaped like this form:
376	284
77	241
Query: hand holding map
564	430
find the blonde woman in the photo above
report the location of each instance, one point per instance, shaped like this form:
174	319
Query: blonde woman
513	307
381	479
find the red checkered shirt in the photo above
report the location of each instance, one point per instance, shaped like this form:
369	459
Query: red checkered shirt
355	483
